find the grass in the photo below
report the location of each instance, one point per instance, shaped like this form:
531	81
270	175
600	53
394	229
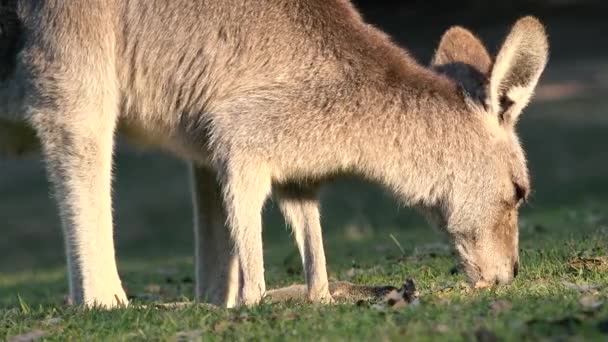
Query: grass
537	305
368	239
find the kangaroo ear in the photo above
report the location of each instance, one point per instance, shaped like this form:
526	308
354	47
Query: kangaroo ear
462	57
518	66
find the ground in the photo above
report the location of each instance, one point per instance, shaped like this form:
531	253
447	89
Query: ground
561	292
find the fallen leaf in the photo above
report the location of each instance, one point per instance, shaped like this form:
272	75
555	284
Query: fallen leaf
29	336
595	263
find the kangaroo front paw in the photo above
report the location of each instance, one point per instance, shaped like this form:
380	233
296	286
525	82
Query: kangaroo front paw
251	300
320	296
110	298
252	297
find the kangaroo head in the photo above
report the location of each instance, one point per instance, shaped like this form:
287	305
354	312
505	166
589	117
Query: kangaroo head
480	211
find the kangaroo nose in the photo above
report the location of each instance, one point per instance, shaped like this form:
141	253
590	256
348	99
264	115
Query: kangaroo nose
515	269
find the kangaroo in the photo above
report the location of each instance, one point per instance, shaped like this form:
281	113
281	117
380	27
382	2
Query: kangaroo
284	108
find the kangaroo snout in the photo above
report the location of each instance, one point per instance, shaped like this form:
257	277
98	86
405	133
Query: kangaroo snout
490	258
498	278
507	276
495	278
493	275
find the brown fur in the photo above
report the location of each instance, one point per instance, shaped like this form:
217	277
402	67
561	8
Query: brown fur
277	94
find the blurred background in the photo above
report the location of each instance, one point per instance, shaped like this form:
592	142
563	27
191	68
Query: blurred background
564	131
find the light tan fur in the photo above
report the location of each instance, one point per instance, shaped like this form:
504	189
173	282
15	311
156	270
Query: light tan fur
342	291
277	94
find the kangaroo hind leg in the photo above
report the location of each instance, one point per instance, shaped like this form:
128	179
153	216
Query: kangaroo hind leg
246	185
216	264
300	207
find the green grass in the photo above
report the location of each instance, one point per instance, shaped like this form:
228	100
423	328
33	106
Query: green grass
539	304
566	222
